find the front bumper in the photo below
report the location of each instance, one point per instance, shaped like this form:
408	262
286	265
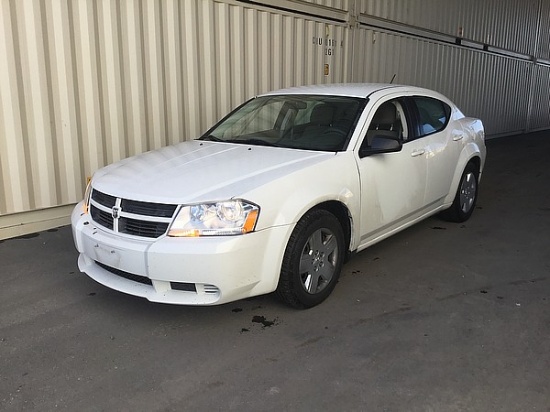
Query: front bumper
186	271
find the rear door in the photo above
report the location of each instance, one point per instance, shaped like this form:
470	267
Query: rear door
439	139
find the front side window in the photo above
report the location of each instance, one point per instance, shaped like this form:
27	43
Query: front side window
388	128
433	115
292	121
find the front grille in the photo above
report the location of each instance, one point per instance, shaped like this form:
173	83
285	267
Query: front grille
103	198
142	228
130	276
143	219
149	209
103	218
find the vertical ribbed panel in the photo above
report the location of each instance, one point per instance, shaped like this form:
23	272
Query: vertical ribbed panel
13	151
334	4
543	37
86	83
493	88
540	108
506	24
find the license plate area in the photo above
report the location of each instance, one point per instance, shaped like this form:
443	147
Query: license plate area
123	254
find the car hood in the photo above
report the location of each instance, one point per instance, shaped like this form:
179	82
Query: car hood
198	171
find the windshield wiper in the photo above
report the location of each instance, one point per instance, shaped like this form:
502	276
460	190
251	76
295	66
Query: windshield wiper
211	138
256	142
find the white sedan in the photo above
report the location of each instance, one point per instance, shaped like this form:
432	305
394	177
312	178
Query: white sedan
278	194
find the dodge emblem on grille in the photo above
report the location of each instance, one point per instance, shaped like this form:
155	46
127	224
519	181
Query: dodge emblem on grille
115	212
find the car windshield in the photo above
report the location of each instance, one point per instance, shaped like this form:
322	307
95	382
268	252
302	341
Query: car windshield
293	121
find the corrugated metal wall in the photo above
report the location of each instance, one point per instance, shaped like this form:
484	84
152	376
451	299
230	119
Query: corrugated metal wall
507	24
539	108
489	86
84	83
490	57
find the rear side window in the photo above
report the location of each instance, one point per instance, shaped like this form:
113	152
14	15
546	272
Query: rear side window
433	115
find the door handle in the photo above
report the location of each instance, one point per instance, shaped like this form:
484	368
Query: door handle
458	136
418	152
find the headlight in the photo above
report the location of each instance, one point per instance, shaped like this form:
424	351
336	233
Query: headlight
87	193
232	217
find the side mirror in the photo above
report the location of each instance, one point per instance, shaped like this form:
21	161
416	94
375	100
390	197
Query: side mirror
381	144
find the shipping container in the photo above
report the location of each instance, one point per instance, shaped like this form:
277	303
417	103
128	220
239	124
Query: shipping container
86	83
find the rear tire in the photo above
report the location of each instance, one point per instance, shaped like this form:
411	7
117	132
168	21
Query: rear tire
312	261
466	196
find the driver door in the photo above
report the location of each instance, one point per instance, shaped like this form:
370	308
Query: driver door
393	185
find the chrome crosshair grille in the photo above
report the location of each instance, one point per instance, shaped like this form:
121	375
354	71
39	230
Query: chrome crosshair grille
131	217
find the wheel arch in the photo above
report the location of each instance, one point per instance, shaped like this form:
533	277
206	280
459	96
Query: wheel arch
476	161
342	213
465	197
292	288
470	155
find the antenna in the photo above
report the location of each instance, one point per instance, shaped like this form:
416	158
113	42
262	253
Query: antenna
393	78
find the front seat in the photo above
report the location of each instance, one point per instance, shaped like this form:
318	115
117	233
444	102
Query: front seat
320	133
321	115
384	123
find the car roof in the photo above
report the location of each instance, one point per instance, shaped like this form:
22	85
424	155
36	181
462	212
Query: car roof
340	89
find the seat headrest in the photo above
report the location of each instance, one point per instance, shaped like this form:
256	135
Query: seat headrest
322	114
386	114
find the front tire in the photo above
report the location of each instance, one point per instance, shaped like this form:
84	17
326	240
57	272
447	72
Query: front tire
312	261
466	196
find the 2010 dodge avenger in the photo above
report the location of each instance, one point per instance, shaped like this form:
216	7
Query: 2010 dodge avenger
278	193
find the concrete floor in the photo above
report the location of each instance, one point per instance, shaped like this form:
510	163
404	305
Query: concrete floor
441	317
